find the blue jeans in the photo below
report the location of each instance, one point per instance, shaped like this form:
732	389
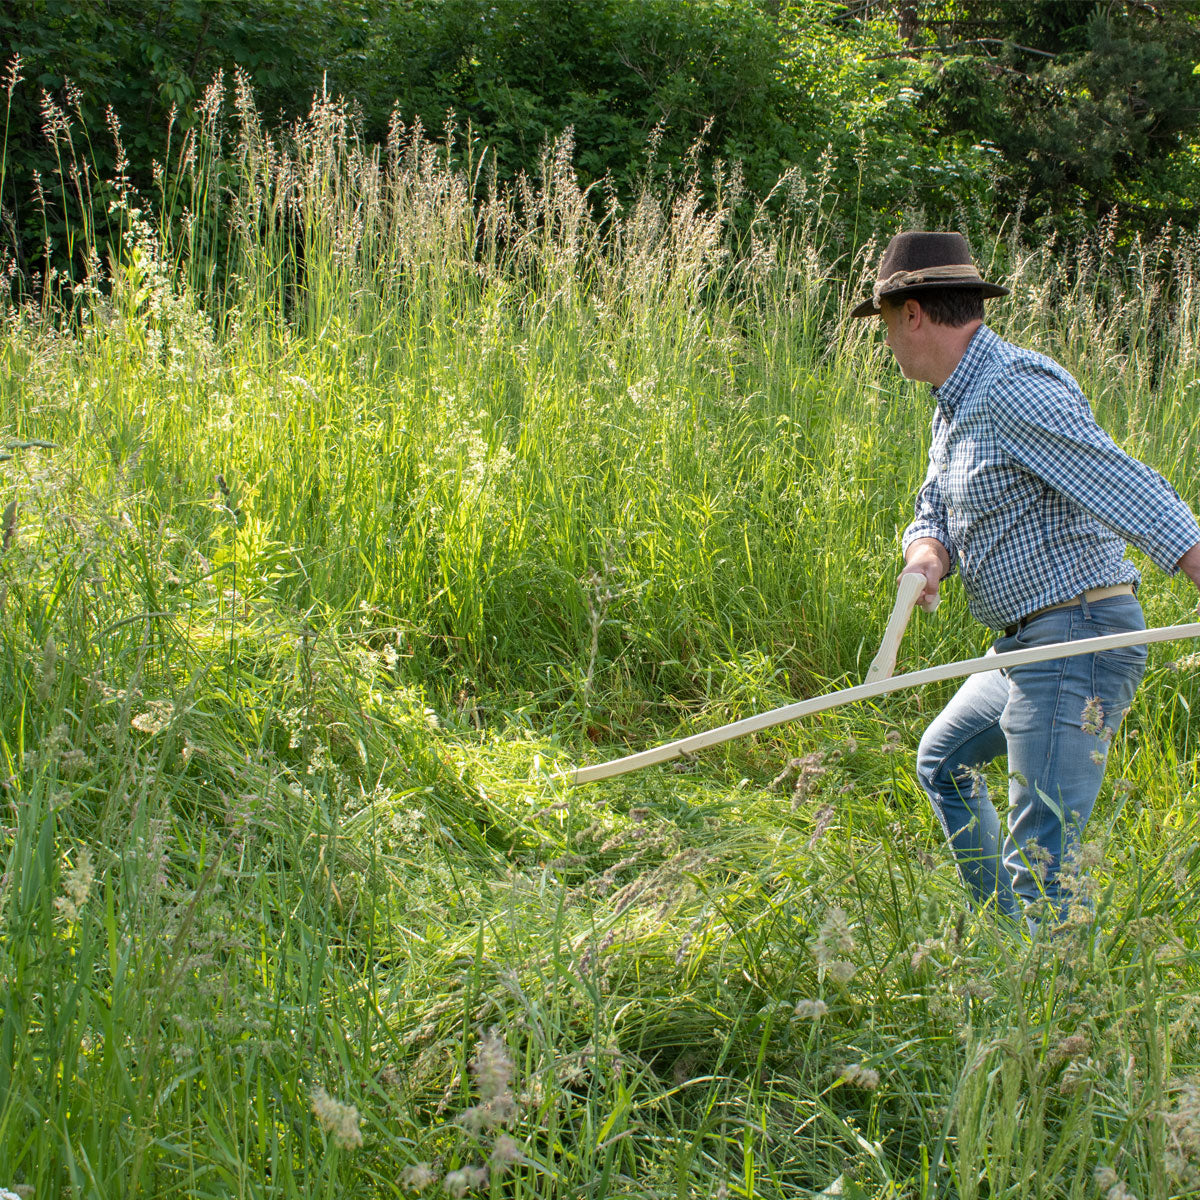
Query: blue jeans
1042	717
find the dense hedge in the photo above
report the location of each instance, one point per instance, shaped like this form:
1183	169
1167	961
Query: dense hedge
937	110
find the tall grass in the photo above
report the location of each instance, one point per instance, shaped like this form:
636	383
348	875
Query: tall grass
350	500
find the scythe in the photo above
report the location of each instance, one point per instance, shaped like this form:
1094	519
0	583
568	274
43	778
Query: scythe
880	685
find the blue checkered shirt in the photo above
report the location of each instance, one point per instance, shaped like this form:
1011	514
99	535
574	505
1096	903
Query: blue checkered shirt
1031	498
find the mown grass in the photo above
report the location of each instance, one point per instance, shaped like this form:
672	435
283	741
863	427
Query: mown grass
325	556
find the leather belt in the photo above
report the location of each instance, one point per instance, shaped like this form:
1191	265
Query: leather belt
1091	596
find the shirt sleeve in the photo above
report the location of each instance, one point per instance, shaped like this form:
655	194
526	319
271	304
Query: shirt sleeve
1046	426
930	518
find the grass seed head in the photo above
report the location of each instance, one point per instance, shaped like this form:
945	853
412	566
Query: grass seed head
856	1075
1092	717
506	1150
339	1120
464	1180
77	884
418	1177
810	1010
834	937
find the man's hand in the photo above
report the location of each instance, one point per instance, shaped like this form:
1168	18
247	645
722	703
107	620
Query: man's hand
928	557
1189	564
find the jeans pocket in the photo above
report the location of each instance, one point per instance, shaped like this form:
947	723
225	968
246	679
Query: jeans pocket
1129	661
1121	616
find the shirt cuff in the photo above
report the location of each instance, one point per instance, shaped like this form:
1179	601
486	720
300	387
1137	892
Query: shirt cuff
1170	545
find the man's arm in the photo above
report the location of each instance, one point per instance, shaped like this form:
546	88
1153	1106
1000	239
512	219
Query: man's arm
1189	564
1043	421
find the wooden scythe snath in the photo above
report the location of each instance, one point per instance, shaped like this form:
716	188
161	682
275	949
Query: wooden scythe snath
881	685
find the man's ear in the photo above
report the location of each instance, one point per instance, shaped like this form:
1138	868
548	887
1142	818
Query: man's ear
914	314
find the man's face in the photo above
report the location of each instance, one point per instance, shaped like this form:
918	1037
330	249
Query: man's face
902	322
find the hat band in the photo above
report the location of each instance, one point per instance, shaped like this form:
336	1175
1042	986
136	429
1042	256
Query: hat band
951	273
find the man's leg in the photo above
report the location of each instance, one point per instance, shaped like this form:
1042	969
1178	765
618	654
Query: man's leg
1058	722
963	738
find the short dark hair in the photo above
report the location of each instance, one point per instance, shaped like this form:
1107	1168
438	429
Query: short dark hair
952	306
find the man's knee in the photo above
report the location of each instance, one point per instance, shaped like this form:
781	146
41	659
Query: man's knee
933	762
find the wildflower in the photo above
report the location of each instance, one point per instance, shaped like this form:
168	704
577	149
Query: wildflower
77	884
810	1010
418	1177
856	1075
1070	1047
891	744
339	1120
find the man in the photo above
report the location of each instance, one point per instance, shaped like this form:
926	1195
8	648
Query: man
1032	502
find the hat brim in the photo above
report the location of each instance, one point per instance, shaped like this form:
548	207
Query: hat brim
868	307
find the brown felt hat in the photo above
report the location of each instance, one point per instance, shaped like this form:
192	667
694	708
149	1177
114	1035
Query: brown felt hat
919	261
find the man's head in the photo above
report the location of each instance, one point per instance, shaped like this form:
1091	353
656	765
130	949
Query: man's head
917	263
930	295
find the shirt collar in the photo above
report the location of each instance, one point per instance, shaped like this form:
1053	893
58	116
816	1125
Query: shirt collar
951	393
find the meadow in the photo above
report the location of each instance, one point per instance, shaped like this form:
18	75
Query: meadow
346	508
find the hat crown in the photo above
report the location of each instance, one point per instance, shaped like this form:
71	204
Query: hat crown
918	250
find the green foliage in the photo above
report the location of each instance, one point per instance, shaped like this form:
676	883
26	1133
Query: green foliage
933	113
1091	107
145	62
523	71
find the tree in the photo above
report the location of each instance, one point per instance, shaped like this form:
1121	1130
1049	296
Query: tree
1090	105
